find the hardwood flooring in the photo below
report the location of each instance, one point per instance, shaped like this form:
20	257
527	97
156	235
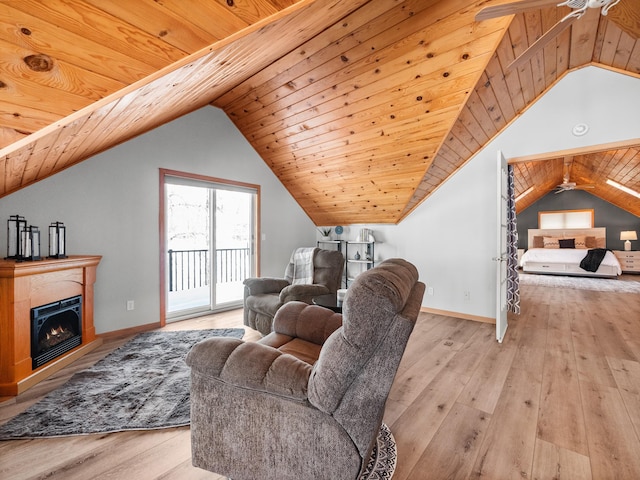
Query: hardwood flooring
558	399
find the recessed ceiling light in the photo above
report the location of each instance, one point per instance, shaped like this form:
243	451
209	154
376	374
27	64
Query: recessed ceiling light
580	129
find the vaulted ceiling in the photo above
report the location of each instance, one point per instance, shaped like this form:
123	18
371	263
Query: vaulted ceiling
361	108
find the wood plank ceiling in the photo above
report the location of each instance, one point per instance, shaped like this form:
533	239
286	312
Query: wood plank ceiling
361	108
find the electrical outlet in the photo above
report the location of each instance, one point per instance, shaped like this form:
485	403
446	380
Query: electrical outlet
430	291
130	305
467	296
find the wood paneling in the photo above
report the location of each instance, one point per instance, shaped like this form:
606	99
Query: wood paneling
382	96
377	102
621	165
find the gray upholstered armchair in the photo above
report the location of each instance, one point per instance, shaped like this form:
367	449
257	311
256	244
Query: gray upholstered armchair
264	296
259	410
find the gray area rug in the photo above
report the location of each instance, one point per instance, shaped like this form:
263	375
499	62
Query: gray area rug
142	385
580	283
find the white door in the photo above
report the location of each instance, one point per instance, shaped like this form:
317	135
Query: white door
502	254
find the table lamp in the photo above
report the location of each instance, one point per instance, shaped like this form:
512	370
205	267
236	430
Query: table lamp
628	235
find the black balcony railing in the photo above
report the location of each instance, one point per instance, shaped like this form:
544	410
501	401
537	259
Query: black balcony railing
190	268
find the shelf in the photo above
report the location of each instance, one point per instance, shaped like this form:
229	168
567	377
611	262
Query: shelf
365	262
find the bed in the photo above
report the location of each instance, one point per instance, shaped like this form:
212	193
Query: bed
559	252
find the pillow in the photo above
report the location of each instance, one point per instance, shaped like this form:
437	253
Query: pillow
538	242
580	241
550	242
567	243
590	242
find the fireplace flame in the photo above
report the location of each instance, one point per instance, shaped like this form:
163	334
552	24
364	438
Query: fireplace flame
55	332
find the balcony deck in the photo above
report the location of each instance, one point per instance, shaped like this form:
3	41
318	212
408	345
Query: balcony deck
227	293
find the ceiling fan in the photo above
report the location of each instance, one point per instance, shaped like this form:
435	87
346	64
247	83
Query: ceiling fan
626	15
566	185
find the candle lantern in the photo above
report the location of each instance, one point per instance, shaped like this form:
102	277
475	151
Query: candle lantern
31	243
15	226
57	240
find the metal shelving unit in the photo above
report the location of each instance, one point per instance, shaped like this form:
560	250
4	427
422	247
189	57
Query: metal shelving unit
365	260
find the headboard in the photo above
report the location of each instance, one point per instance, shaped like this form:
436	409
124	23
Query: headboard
600	233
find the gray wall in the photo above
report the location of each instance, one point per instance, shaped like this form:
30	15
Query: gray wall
110	205
605	215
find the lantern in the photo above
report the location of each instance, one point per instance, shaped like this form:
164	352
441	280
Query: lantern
15	226
31	243
57	240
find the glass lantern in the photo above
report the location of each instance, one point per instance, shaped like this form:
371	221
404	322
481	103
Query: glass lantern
15	226
31	243
57	240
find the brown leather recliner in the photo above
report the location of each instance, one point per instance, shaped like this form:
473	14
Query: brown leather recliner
264	296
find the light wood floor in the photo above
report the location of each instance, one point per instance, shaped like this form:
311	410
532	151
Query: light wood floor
559	399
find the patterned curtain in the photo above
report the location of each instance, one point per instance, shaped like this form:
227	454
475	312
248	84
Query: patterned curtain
513	281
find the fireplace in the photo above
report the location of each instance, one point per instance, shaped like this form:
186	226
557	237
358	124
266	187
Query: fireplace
25	286
56	328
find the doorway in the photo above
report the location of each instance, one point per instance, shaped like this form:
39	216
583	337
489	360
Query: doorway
209	231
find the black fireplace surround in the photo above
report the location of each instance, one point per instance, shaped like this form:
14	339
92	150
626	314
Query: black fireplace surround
56	328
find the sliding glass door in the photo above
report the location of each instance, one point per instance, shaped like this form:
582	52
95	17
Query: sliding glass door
209	235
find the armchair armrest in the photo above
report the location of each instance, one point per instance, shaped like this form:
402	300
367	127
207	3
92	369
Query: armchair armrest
251	365
308	322
256	286
302	292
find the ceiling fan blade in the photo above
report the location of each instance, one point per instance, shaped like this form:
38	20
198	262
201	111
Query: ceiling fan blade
496	11
626	15
556	30
584	187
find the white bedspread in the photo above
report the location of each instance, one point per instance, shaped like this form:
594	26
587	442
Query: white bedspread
565	255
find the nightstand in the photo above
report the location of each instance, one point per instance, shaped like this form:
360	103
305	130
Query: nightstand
629	260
